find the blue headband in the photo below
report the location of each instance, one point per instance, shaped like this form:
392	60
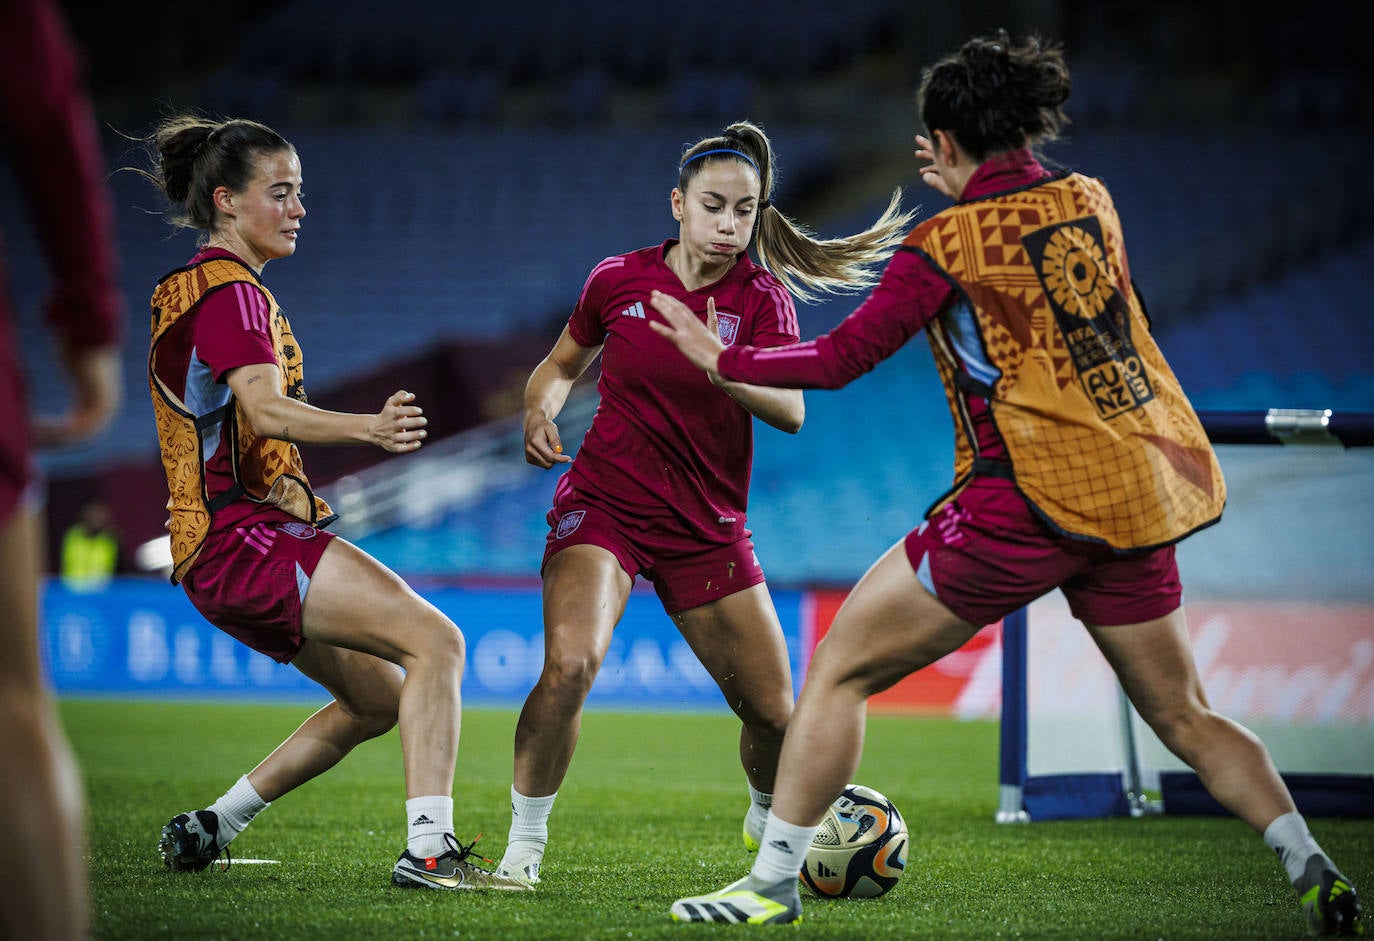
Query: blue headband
723	150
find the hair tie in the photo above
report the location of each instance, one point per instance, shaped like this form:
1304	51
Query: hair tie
720	150
764	204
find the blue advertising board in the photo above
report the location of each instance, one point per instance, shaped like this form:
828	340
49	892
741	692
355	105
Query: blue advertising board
142	638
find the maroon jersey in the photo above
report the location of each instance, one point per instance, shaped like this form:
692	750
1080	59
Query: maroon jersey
228	329
665	443
45	116
909	295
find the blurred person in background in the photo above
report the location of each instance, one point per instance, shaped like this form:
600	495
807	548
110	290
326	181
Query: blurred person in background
54	149
227	383
90	549
660	484
1079	465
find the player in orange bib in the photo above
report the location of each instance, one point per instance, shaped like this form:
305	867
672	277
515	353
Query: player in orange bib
1079	463
248	544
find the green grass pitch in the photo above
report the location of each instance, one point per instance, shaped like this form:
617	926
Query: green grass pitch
651	811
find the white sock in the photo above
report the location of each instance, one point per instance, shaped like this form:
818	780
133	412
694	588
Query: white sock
782	851
1288	836
759	803
236	809
427	820
529	820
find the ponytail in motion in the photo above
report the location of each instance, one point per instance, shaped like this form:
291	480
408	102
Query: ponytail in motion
805	265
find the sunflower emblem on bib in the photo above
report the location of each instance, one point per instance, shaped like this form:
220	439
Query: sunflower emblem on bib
1073	269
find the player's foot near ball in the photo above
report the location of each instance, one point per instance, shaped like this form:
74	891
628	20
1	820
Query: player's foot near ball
746	902
1329	900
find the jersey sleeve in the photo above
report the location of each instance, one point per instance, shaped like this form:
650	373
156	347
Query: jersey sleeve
53	139
232	329
775	322
910	293
586	325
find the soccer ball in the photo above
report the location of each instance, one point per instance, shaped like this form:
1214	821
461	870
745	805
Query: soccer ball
859	852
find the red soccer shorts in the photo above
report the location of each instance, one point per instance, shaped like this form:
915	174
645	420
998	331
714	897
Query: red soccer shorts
987	553
250	580
685	571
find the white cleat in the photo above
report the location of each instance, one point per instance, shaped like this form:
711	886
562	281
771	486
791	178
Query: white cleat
743	903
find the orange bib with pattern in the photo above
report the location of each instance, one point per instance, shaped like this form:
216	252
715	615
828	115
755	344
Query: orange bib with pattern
1101	438
266	470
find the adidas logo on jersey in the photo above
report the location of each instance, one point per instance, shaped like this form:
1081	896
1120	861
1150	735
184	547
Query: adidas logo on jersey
634	310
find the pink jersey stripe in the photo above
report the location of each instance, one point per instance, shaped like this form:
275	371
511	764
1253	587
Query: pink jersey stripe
783	307
614	261
260	304
252	308
243	306
786	353
259	537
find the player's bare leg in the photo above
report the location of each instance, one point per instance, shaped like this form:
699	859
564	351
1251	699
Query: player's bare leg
739	642
367	696
387	656
357	603
1155	664
1154	661
585	593
887	628
42	813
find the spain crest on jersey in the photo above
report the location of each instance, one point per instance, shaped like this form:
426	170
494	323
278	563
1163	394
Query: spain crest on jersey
727	325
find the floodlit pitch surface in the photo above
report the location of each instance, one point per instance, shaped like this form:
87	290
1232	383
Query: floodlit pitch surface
651	811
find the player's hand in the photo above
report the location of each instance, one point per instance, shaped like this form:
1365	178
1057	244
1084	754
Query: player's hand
543	447
699	342
399	427
96	392
925	151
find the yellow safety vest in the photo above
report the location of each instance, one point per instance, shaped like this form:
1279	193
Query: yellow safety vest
1101	439
88	559
266	470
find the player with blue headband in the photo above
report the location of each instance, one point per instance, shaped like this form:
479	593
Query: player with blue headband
660	483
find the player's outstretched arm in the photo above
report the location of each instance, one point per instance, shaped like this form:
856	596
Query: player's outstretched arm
784	409
399	427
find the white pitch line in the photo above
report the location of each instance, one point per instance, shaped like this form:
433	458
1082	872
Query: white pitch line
250	862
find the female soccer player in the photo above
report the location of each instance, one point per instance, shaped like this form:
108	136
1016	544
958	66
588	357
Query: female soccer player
246	529
660	485
1079	465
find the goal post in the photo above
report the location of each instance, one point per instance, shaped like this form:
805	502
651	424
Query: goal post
1280	601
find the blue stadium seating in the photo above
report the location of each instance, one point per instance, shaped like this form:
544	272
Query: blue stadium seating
462	224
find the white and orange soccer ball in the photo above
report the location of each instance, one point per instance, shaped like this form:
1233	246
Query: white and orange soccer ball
860	849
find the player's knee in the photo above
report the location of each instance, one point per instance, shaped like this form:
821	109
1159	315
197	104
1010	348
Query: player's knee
1184	728
370	708
767	721
570	673
443	642
377	720
771	727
